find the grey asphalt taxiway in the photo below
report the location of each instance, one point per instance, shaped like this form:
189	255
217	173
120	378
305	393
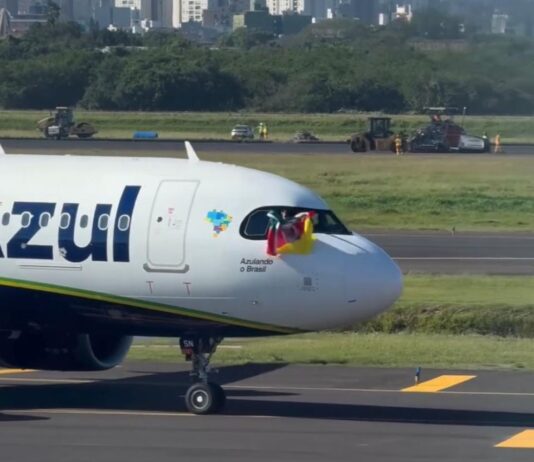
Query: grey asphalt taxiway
172	148
274	413
459	253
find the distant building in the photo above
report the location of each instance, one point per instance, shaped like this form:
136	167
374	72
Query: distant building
38	8
365	10
24	6
176	13
262	21
66	10
403	13
294	23
125	18
11	6
253	5
383	19
278	7
499	23
149	10
166	12
82	10
192	10
317	9
128	4
22	23
102	13
194	31
5	23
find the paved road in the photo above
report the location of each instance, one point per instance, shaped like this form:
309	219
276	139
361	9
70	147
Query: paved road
274	412
458	253
175	148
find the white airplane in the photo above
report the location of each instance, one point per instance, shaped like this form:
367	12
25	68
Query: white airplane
94	251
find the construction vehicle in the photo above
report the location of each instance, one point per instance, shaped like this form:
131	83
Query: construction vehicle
442	134
305	136
61	124
379	137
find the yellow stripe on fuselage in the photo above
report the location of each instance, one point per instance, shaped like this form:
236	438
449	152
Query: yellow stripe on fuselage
14	371
133	303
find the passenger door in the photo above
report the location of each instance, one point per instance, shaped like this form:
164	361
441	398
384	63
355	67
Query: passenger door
168	226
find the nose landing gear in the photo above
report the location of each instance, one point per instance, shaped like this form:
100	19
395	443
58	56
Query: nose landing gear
203	397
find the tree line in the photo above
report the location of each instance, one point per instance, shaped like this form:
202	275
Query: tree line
330	66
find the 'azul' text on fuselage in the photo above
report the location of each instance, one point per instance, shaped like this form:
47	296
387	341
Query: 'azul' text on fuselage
36	215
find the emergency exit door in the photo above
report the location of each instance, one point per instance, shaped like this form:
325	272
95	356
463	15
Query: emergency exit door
168	226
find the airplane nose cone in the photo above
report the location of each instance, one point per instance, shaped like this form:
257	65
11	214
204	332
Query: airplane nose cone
374	283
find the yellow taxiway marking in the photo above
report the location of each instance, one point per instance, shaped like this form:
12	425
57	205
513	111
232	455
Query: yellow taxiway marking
15	371
439	383
523	440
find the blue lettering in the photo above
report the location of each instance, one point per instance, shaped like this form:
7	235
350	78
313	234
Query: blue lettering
121	232
96	249
18	246
32	219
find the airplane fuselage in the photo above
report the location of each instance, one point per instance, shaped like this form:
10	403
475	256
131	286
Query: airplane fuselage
160	247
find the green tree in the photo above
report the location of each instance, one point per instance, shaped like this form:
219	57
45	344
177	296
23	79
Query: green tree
53	12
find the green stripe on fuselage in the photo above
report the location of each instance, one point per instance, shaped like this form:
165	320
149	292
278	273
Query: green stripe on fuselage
130	302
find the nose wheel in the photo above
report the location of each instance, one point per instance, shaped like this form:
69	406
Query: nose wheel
203	397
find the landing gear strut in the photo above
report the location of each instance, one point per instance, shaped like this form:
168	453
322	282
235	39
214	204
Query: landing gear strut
203	397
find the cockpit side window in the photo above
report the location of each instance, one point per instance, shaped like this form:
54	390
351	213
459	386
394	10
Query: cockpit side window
256	224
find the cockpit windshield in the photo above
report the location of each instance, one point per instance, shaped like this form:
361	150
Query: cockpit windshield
256	224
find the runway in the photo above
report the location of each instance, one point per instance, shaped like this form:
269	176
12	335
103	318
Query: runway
274	412
459	253
173	148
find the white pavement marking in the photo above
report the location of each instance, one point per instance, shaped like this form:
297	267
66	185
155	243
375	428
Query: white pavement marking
37	380
102	412
125	382
468	258
444	235
374	390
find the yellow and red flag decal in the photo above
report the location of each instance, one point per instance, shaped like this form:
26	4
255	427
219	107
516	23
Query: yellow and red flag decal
293	235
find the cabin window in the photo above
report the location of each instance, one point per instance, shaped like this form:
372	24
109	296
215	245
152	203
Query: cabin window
103	222
25	219
84	221
64	221
5	218
256	224
124	222
44	219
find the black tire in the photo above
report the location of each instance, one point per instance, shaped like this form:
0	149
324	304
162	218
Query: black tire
358	145
202	398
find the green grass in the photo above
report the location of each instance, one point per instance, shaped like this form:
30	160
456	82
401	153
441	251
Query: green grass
400	350
488	305
434	305
282	127
432	193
